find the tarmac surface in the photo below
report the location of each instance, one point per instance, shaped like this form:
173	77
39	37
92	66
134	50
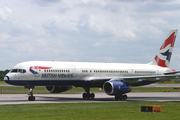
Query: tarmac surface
99	96
77	98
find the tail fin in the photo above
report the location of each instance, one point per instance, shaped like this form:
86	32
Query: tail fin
164	54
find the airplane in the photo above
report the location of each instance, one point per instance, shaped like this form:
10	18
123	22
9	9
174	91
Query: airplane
115	79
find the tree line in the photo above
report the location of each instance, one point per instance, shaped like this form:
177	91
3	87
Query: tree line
2	74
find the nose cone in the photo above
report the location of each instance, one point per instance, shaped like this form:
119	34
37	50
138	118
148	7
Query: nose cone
6	79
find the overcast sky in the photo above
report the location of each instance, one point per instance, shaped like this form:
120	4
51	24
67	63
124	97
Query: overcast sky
125	31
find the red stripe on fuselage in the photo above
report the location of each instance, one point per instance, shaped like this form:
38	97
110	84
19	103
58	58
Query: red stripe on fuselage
39	67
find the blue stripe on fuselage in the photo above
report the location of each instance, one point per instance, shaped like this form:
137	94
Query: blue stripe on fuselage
78	83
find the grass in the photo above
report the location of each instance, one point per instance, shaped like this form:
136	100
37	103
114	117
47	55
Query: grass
89	111
2	82
154	89
41	90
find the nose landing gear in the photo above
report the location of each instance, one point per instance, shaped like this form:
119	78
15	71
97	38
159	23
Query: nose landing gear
31	97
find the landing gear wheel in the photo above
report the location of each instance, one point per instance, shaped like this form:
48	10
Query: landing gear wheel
88	96
116	97
31	98
92	95
84	96
120	97
124	97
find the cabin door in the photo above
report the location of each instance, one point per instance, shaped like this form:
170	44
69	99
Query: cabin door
74	70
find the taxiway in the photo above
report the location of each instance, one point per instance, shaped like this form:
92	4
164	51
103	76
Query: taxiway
77	98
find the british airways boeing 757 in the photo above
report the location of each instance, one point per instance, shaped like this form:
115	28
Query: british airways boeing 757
115	78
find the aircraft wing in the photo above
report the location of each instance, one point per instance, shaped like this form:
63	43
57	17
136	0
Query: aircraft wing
153	77
135	79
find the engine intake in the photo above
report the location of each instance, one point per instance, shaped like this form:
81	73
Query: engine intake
116	87
57	89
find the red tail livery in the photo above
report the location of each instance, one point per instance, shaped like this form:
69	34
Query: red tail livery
164	54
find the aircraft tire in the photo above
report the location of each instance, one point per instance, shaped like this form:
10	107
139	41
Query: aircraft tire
124	97
120	97
92	95
88	96
116	97
85	96
31	98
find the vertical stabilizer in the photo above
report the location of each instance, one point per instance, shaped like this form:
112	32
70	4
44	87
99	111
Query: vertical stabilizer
164	54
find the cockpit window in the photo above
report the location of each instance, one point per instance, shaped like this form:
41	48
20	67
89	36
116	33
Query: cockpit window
18	71
14	70
22	70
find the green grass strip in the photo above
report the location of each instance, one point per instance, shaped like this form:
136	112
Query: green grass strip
89	111
41	90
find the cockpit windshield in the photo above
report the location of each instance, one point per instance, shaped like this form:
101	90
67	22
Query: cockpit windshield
18	71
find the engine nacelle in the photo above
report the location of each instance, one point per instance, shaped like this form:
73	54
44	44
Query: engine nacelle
116	87
57	89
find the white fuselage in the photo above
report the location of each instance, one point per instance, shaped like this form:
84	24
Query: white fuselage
78	71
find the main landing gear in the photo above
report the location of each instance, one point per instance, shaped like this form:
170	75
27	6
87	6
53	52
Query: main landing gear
88	95
120	97
31	97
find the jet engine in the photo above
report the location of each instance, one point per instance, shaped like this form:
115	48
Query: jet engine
116	87
57	89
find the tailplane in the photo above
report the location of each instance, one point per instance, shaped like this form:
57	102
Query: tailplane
164	54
